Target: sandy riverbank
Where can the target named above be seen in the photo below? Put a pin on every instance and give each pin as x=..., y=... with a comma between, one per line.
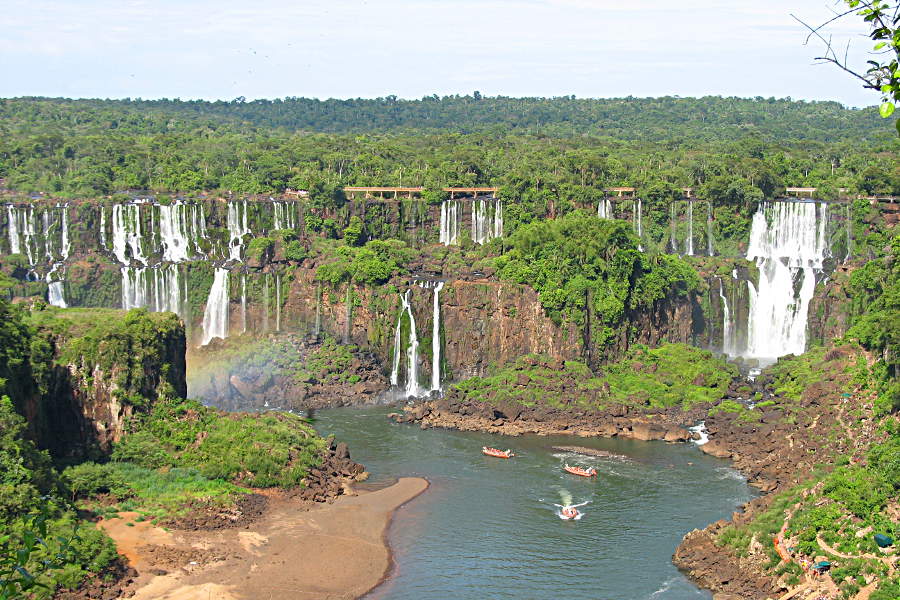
x=322, y=551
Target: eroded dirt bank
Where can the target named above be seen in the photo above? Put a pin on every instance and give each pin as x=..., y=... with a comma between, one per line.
x=294, y=550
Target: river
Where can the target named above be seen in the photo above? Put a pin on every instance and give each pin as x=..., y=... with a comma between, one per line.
x=487, y=527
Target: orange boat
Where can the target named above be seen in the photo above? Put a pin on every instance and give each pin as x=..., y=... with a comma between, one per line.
x=569, y=513
x=495, y=452
x=592, y=472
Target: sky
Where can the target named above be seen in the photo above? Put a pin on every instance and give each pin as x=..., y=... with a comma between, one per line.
x=222, y=49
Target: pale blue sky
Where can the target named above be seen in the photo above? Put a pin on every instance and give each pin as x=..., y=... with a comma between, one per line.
x=367, y=48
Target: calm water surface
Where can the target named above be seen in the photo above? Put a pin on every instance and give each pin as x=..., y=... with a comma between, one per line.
x=487, y=527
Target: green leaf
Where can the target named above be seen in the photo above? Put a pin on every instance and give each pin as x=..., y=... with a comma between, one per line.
x=886, y=109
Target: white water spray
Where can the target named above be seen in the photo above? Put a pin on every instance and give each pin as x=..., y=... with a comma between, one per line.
x=604, y=209
x=689, y=243
x=788, y=243
x=126, y=232
x=237, y=228
x=436, y=340
x=215, y=316
x=727, y=329
x=449, y=227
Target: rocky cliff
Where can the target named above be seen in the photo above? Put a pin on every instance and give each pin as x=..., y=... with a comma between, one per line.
x=91, y=374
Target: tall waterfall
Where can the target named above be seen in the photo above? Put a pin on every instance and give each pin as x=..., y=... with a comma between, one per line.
x=55, y=288
x=727, y=329
x=604, y=209
x=157, y=289
x=848, y=230
x=395, y=366
x=689, y=243
x=48, y=235
x=449, y=228
x=243, y=303
x=412, y=350
x=178, y=231
x=12, y=230
x=65, y=246
x=709, y=229
x=283, y=216
x=134, y=288
x=788, y=242
x=237, y=228
x=487, y=220
x=277, y=302
x=126, y=233
x=215, y=316
x=436, y=340
x=103, y=227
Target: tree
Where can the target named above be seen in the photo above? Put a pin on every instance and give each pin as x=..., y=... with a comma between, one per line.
x=883, y=74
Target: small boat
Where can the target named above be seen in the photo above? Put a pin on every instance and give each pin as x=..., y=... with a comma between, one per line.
x=569, y=513
x=495, y=452
x=591, y=472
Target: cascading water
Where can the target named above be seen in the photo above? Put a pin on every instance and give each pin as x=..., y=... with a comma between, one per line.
x=604, y=209
x=126, y=232
x=178, y=231
x=237, y=228
x=709, y=229
x=277, y=302
x=29, y=232
x=134, y=288
x=65, y=246
x=48, y=236
x=215, y=316
x=487, y=220
x=436, y=340
x=449, y=227
x=103, y=227
x=412, y=350
x=166, y=291
x=788, y=242
x=727, y=329
x=243, y=303
x=55, y=288
x=283, y=216
x=848, y=230
x=689, y=243
x=13, y=230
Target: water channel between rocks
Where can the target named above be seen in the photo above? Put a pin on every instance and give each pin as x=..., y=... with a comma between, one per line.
x=486, y=528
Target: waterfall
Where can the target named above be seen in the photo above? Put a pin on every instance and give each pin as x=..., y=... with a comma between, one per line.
x=709, y=229
x=689, y=243
x=65, y=247
x=126, y=231
x=103, y=227
x=788, y=243
x=215, y=315
x=178, y=230
x=237, y=228
x=412, y=350
x=55, y=289
x=48, y=239
x=166, y=296
x=727, y=332
x=278, y=301
x=134, y=288
x=395, y=368
x=243, y=303
x=449, y=227
x=29, y=232
x=604, y=209
x=487, y=223
x=283, y=216
x=436, y=340
x=12, y=216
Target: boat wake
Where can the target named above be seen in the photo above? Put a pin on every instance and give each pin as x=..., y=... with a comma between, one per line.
x=566, y=499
